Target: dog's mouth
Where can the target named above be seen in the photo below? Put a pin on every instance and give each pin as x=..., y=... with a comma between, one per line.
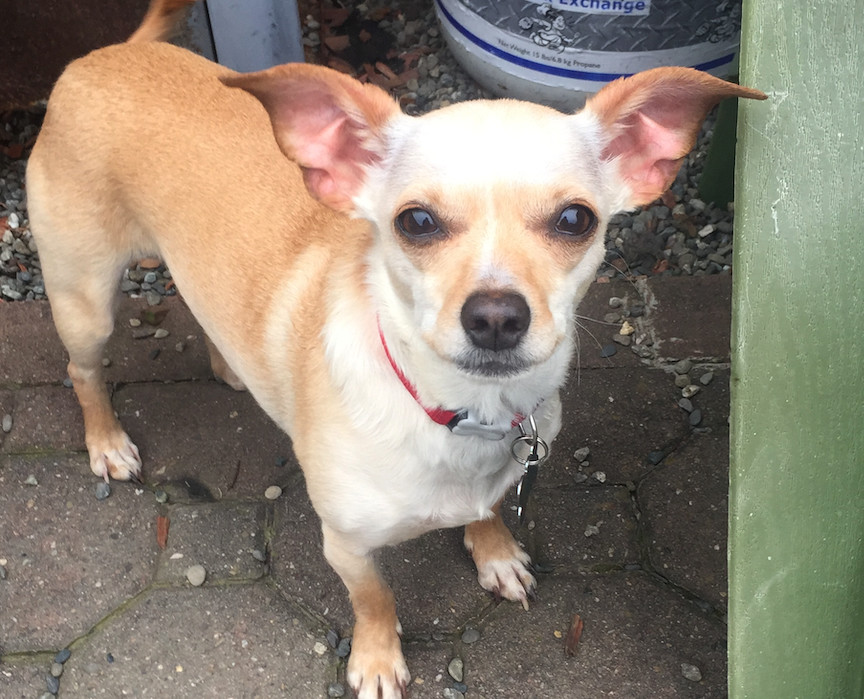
x=493, y=364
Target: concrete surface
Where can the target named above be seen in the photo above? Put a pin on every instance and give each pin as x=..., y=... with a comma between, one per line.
x=633, y=544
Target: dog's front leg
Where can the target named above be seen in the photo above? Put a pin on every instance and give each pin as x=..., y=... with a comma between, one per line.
x=502, y=565
x=376, y=668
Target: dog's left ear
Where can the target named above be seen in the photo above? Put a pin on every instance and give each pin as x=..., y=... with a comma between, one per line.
x=650, y=122
x=330, y=124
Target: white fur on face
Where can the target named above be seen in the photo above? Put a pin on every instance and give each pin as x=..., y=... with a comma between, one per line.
x=490, y=171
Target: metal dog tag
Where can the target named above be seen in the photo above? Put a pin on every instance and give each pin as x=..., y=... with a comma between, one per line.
x=532, y=463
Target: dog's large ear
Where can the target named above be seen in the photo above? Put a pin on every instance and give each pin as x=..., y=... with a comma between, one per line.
x=330, y=124
x=650, y=122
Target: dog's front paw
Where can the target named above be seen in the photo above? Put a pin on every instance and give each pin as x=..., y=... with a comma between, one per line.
x=115, y=456
x=503, y=568
x=376, y=668
x=509, y=578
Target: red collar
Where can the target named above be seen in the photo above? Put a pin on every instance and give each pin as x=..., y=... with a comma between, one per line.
x=457, y=422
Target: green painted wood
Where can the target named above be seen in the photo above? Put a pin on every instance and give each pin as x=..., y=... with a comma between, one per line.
x=797, y=428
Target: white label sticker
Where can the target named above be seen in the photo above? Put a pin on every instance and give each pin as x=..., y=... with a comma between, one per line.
x=600, y=7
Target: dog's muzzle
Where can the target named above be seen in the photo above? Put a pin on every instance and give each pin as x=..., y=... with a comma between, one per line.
x=495, y=323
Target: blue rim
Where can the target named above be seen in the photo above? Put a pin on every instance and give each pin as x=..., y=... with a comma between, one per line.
x=553, y=70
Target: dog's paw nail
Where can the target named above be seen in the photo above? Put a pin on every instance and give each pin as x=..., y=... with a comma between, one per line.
x=525, y=604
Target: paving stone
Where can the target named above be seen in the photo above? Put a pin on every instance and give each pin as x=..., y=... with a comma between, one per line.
x=593, y=333
x=692, y=316
x=622, y=415
x=427, y=663
x=229, y=447
x=46, y=418
x=562, y=518
x=434, y=580
x=685, y=508
x=233, y=641
x=220, y=537
x=71, y=559
x=637, y=633
x=131, y=359
x=7, y=407
x=297, y=561
x=22, y=679
x=30, y=352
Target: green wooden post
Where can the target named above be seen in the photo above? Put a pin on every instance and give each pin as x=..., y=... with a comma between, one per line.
x=797, y=429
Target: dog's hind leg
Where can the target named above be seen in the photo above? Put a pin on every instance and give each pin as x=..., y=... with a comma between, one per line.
x=82, y=262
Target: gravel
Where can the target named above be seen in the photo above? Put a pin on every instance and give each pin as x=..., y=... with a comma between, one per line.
x=680, y=236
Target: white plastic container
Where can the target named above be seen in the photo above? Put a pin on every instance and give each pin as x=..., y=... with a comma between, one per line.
x=558, y=52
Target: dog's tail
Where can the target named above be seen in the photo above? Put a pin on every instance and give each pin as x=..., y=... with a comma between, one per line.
x=160, y=21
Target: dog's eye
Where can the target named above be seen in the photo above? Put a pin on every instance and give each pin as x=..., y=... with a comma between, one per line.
x=575, y=221
x=417, y=223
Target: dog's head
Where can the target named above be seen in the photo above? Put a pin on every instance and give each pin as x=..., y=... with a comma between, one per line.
x=490, y=215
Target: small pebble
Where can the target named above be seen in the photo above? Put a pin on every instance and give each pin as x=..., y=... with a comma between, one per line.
x=623, y=340
x=581, y=454
x=599, y=476
x=109, y=657
x=3, y=573
x=106, y=362
x=706, y=378
x=160, y=333
x=592, y=530
x=580, y=477
x=31, y=480
x=456, y=669
x=460, y=687
x=690, y=390
x=103, y=490
x=52, y=683
x=691, y=672
x=682, y=367
x=7, y=422
x=332, y=638
x=695, y=417
x=62, y=656
x=47, y=695
x=452, y=693
x=259, y=555
x=626, y=329
x=196, y=575
x=682, y=380
x=180, y=346
x=134, y=322
x=608, y=351
x=319, y=648
x=56, y=669
x=273, y=492
x=344, y=648
x=616, y=302
x=67, y=382
x=335, y=689
x=470, y=636
x=161, y=496
x=685, y=404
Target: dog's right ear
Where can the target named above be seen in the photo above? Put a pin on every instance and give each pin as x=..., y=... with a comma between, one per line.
x=332, y=125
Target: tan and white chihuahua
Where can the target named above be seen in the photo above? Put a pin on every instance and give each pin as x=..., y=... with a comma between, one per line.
x=408, y=291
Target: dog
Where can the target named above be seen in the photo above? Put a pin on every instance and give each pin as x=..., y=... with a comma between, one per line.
x=405, y=305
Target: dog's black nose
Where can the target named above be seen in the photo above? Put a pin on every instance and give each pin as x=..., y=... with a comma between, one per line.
x=496, y=320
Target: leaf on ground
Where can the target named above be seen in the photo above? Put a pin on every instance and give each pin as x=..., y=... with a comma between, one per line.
x=162, y=525
x=571, y=643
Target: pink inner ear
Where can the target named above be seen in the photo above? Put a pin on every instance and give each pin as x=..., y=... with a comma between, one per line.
x=330, y=124
x=649, y=154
